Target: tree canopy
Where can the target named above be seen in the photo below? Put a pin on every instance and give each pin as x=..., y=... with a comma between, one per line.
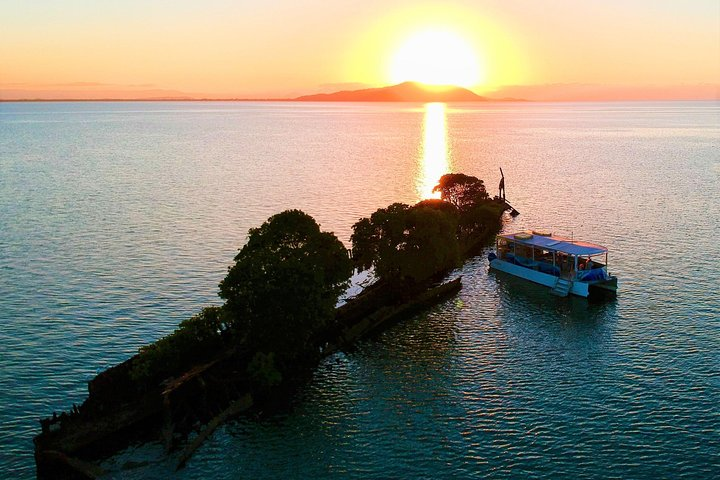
x=285, y=283
x=481, y=217
x=463, y=191
x=407, y=244
x=195, y=339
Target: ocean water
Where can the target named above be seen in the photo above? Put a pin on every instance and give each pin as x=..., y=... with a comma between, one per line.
x=118, y=220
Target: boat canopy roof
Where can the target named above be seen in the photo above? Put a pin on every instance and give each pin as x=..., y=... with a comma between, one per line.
x=559, y=244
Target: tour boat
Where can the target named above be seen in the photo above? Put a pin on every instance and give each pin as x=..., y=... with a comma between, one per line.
x=564, y=265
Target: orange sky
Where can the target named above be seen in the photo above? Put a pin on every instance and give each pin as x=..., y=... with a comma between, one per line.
x=275, y=48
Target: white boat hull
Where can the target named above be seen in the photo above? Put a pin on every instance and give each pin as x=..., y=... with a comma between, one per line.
x=578, y=288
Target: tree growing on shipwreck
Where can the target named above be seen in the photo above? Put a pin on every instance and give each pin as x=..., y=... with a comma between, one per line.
x=478, y=214
x=405, y=244
x=283, y=288
x=410, y=244
x=463, y=191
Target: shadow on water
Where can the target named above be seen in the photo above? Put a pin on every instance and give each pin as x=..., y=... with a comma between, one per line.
x=519, y=297
x=517, y=290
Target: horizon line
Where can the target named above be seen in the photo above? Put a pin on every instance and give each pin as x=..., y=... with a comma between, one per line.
x=295, y=100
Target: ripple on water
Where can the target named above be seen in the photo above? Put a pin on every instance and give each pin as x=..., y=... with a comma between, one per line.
x=125, y=217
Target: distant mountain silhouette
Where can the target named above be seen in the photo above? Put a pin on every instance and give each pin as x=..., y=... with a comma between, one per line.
x=403, y=92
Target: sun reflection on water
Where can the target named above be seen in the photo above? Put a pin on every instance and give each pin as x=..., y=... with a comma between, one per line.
x=435, y=155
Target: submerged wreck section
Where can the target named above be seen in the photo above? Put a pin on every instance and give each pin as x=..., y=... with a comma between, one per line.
x=117, y=412
x=279, y=319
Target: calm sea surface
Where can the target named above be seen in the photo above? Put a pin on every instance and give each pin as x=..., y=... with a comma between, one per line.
x=118, y=220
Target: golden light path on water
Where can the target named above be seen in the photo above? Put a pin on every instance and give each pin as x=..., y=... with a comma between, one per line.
x=435, y=156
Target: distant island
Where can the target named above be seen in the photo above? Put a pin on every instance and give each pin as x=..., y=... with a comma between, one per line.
x=403, y=92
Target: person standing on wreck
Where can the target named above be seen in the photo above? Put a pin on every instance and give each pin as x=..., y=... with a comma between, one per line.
x=501, y=187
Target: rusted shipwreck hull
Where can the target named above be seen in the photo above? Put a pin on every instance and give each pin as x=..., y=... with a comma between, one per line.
x=118, y=411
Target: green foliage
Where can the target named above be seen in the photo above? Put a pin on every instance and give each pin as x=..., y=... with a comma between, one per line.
x=285, y=283
x=463, y=191
x=408, y=244
x=196, y=339
x=480, y=218
x=263, y=371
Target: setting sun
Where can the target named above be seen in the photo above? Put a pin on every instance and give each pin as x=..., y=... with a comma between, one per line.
x=436, y=57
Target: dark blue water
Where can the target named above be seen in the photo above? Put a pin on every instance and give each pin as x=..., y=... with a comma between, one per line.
x=118, y=220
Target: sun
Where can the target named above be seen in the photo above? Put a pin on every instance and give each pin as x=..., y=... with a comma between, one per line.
x=436, y=57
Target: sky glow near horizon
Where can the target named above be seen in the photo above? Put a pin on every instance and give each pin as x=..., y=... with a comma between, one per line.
x=223, y=48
